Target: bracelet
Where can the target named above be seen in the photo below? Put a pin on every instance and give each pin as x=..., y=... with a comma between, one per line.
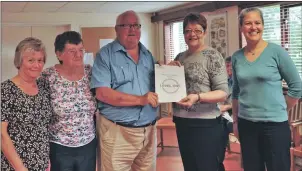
x=198, y=100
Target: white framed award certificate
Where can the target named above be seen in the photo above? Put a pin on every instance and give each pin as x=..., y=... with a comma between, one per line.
x=170, y=84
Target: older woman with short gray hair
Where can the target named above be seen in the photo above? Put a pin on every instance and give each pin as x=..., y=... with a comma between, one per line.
x=26, y=111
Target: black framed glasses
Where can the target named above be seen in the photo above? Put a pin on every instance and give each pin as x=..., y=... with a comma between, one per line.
x=128, y=26
x=195, y=31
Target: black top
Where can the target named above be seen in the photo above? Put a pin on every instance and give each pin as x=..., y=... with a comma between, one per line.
x=28, y=118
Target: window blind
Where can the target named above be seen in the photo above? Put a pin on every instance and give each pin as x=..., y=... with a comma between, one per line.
x=168, y=36
x=283, y=26
x=174, y=40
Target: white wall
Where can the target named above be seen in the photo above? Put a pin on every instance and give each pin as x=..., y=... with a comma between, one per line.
x=12, y=35
x=47, y=25
x=78, y=20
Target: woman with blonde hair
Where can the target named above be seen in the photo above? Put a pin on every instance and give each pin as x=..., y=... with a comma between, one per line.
x=26, y=111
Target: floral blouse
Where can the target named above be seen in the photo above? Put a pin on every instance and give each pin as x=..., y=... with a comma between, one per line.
x=28, y=118
x=74, y=109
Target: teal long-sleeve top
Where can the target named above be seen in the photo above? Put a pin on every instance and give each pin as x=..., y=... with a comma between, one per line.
x=258, y=85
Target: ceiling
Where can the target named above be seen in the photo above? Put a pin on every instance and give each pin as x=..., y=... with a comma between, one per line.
x=90, y=7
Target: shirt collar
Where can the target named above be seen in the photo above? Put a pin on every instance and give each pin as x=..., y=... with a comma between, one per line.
x=117, y=47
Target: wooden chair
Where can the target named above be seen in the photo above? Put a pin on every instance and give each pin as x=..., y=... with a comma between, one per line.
x=165, y=123
x=233, y=139
x=296, y=158
x=295, y=121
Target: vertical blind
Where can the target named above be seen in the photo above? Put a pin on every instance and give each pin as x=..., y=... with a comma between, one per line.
x=169, y=47
x=174, y=40
x=283, y=26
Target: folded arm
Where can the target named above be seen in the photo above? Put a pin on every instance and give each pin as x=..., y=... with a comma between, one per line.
x=219, y=86
x=213, y=96
x=116, y=98
x=224, y=108
x=101, y=82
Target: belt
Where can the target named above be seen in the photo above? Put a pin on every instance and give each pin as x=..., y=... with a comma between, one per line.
x=134, y=126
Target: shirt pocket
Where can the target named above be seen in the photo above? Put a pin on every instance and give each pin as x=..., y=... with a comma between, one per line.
x=122, y=74
x=148, y=76
x=147, y=69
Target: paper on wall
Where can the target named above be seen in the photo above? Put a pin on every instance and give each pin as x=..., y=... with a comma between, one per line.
x=104, y=42
x=88, y=58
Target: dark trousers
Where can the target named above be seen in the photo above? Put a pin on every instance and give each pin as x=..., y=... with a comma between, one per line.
x=265, y=145
x=228, y=128
x=200, y=143
x=64, y=158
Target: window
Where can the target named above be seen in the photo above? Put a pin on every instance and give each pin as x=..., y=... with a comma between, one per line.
x=174, y=40
x=283, y=26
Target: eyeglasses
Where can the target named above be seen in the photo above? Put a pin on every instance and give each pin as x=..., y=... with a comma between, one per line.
x=128, y=26
x=195, y=31
x=39, y=61
x=73, y=52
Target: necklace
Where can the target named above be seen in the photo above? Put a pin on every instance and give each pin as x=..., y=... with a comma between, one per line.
x=253, y=53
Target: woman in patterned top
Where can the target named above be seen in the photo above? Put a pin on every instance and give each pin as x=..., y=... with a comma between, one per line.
x=26, y=111
x=72, y=129
x=197, y=117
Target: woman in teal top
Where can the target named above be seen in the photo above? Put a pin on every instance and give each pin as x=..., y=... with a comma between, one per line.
x=259, y=105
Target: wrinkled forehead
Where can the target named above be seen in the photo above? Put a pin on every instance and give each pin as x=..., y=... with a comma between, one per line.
x=31, y=53
x=129, y=18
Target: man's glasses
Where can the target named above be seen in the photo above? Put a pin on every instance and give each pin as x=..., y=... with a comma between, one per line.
x=197, y=32
x=128, y=26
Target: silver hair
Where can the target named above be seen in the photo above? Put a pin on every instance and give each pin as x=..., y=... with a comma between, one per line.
x=29, y=43
x=247, y=10
x=120, y=17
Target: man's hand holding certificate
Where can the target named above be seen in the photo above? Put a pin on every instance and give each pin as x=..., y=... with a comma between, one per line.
x=170, y=84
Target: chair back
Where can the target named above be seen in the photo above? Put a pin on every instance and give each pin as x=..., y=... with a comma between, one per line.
x=165, y=110
x=295, y=114
x=295, y=122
